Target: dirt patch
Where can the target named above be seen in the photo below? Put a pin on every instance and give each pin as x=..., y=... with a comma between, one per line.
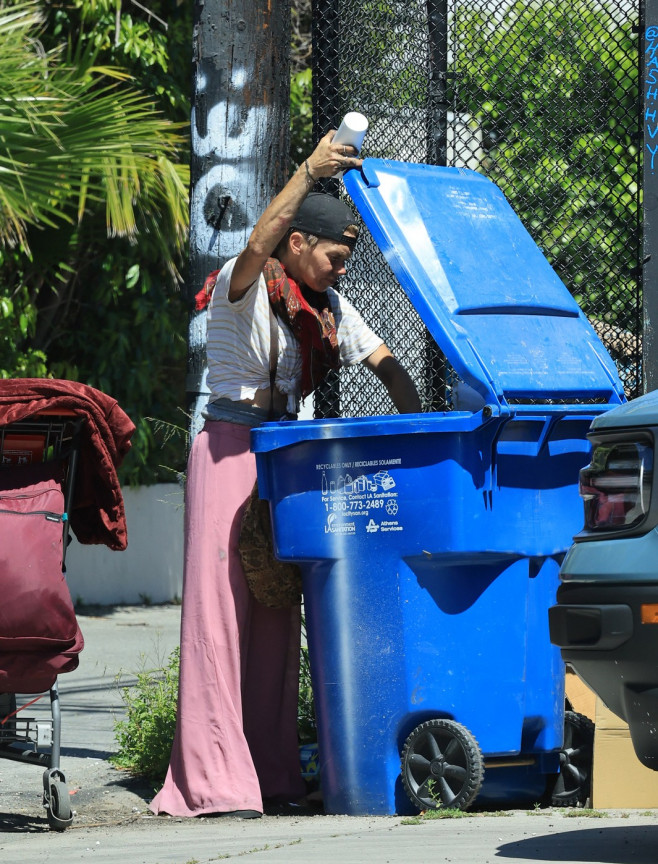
x=100, y=795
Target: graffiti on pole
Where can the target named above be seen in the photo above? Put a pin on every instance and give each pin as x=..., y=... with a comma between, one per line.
x=239, y=140
x=651, y=94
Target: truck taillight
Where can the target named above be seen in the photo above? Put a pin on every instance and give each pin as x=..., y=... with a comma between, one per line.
x=616, y=485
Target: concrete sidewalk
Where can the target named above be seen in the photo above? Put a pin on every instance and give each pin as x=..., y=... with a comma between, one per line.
x=112, y=823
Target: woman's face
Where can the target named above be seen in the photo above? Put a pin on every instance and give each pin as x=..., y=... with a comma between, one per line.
x=321, y=264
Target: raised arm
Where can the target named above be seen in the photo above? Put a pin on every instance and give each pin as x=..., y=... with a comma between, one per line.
x=396, y=379
x=325, y=161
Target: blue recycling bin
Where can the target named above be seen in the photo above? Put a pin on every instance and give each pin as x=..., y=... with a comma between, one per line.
x=430, y=544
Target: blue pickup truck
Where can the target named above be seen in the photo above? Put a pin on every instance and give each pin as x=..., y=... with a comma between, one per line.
x=606, y=618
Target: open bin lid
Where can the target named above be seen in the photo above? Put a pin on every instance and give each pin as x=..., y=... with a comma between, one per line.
x=492, y=302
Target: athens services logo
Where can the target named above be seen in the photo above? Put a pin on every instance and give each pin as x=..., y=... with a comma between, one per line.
x=335, y=527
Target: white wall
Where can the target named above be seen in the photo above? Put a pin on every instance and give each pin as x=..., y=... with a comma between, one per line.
x=150, y=569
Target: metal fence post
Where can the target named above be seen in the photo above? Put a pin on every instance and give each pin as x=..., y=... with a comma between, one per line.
x=649, y=67
x=437, y=26
x=325, y=60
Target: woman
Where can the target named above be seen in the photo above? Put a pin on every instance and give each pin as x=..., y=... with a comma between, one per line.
x=274, y=316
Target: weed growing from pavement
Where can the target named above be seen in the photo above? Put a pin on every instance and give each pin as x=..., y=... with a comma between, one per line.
x=451, y=813
x=592, y=814
x=146, y=735
x=445, y=813
x=266, y=848
x=306, y=725
x=434, y=795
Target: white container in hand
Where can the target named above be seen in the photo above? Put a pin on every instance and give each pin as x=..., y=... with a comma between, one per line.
x=352, y=130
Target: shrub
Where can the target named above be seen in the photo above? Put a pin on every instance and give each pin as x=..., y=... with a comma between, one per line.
x=146, y=735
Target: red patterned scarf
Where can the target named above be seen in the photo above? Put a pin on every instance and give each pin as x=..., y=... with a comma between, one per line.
x=309, y=316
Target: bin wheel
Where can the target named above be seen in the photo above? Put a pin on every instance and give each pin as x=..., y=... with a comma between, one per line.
x=442, y=766
x=573, y=783
x=58, y=806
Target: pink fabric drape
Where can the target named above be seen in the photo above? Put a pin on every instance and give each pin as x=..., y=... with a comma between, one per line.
x=236, y=734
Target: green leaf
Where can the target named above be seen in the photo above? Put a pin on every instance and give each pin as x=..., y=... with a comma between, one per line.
x=132, y=276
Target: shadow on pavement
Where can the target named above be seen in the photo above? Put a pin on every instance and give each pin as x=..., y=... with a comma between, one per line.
x=635, y=844
x=18, y=823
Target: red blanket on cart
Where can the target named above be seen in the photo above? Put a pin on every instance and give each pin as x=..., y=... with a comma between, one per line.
x=98, y=514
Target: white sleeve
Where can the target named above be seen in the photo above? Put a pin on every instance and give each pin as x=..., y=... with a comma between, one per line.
x=223, y=285
x=355, y=339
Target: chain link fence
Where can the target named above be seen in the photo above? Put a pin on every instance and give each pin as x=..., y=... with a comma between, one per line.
x=543, y=98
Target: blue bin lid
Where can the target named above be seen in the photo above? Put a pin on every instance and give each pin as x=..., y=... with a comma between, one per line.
x=485, y=291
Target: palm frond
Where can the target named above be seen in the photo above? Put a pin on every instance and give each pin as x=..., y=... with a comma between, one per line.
x=76, y=136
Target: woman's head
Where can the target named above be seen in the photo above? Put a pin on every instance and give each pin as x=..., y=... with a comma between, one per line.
x=320, y=240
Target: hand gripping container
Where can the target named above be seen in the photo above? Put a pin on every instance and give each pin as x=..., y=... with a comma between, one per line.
x=430, y=544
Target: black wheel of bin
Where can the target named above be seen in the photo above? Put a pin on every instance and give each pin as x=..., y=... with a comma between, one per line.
x=574, y=782
x=58, y=807
x=442, y=766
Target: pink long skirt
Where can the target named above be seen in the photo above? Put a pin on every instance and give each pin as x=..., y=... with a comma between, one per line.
x=236, y=732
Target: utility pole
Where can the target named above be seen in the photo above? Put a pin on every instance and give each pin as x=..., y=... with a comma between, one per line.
x=240, y=133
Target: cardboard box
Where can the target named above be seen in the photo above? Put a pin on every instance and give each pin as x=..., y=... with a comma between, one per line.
x=619, y=779
x=579, y=695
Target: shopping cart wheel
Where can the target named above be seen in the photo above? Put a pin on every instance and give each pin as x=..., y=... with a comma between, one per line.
x=442, y=766
x=56, y=800
x=573, y=783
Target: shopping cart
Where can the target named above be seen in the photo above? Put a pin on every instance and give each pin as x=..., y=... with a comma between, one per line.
x=39, y=634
